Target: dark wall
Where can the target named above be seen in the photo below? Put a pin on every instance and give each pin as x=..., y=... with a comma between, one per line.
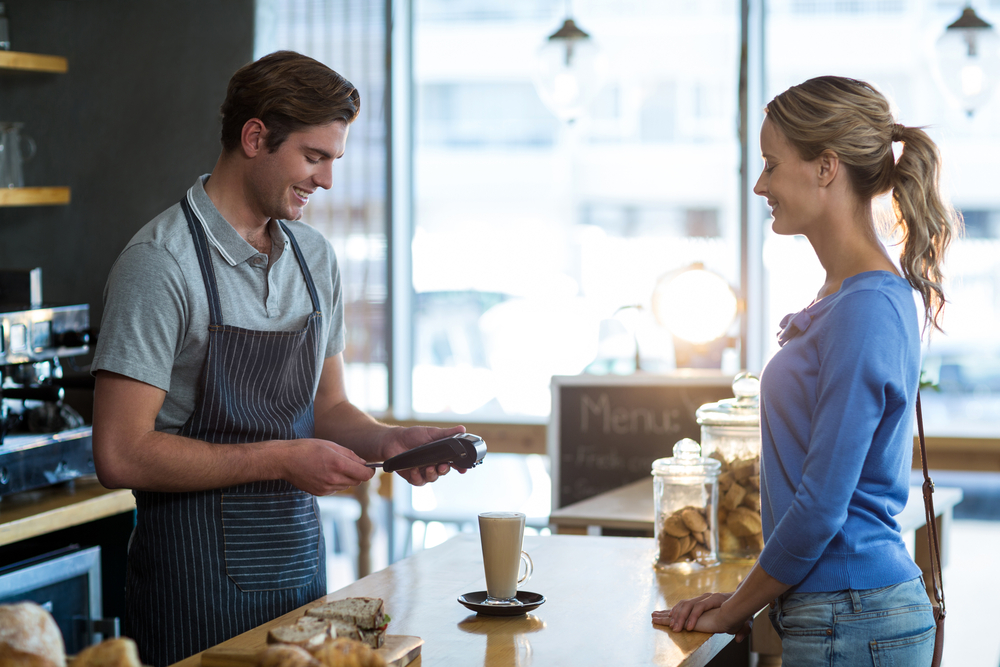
x=128, y=128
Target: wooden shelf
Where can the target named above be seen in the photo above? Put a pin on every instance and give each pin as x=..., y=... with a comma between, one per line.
x=33, y=513
x=33, y=196
x=32, y=62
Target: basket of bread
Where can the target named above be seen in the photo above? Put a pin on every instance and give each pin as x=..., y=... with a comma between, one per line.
x=29, y=637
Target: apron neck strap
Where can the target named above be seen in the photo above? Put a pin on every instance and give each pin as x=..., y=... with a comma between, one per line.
x=305, y=269
x=205, y=261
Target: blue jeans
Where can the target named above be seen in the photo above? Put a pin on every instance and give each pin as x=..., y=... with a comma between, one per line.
x=879, y=626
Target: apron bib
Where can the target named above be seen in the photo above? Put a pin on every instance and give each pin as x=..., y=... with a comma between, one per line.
x=209, y=565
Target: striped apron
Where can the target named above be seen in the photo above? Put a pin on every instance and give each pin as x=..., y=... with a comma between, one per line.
x=209, y=565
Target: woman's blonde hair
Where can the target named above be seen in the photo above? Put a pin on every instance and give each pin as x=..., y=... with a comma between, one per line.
x=854, y=120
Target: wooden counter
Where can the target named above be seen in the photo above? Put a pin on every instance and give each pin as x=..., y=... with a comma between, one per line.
x=631, y=508
x=600, y=592
x=34, y=513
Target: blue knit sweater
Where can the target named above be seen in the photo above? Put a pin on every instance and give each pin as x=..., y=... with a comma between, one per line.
x=837, y=405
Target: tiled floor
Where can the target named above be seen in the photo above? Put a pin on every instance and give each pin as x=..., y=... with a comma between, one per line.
x=972, y=590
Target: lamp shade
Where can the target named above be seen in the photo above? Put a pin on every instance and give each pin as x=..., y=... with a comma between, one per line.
x=569, y=71
x=968, y=60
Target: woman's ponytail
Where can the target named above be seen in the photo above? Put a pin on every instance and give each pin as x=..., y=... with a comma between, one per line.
x=927, y=223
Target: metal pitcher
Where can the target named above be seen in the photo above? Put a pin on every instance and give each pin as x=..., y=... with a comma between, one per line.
x=11, y=156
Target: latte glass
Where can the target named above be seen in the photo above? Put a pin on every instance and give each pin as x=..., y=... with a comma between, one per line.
x=501, y=534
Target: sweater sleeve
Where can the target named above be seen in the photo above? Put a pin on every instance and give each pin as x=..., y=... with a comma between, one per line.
x=860, y=351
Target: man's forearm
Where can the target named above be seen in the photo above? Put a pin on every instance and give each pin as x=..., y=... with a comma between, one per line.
x=347, y=425
x=159, y=461
x=130, y=453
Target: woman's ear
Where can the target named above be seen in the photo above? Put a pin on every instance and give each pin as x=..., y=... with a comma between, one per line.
x=827, y=168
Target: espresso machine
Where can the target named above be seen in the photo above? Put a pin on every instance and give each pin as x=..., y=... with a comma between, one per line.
x=43, y=441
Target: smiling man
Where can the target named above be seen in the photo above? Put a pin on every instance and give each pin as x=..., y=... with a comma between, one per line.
x=220, y=395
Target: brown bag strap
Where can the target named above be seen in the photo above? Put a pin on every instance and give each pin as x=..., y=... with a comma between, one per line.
x=932, y=534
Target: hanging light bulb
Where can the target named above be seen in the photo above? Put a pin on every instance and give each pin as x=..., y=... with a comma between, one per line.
x=968, y=59
x=570, y=71
x=695, y=304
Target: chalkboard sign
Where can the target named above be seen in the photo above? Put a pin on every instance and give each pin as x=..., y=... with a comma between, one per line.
x=606, y=431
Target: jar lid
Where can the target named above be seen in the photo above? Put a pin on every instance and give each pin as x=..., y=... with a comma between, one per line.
x=686, y=461
x=744, y=410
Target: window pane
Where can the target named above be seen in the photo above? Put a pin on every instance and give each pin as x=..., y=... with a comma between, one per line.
x=349, y=37
x=530, y=233
x=889, y=44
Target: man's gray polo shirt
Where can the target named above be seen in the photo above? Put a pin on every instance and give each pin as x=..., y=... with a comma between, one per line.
x=156, y=317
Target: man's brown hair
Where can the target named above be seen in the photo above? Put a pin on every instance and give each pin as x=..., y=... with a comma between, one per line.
x=287, y=91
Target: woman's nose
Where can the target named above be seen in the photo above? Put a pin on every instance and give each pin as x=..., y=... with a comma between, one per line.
x=758, y=188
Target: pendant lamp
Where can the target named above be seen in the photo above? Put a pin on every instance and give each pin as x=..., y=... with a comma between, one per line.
x=968, y=59
x=569, y=71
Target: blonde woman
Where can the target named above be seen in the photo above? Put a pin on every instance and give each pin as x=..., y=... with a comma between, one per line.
x=837, y=400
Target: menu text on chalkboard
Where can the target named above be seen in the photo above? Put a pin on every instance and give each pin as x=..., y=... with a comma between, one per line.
x=606, y=431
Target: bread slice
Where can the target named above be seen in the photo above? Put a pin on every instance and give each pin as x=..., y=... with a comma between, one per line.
x=342, y=629
x=27, y=627
x=374, y=638
x=118, y=652
x=348, y=653
x=366, y=613
x=308, y=632
x=285, y=655
x=11, y=657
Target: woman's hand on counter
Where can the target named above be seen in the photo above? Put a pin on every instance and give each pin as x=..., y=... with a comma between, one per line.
x=703, y=614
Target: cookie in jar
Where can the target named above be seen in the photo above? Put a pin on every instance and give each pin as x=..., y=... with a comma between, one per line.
x=730, y=433
x=685, y=497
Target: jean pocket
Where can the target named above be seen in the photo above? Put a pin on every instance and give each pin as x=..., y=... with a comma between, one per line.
x=808, y=620
x=271, y=540
x=912, y=651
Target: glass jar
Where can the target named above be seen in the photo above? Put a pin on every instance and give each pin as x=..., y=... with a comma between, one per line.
x=685, y=495
x=730, y=433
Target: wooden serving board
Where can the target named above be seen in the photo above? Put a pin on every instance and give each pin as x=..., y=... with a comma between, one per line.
x=398, y=651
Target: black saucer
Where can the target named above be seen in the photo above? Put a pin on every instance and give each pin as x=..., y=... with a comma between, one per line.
x=476, y=602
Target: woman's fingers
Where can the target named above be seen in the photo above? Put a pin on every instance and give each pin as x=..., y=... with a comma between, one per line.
x=685, y=614
x=744, y=631
x=661, y=617
x=701, y=614
x=678, y=614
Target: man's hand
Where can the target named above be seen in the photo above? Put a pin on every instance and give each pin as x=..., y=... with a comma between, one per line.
x=321, y=467
x=400, y=439
x=338, y=420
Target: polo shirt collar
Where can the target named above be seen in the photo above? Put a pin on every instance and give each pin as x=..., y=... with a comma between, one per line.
x=233, y=247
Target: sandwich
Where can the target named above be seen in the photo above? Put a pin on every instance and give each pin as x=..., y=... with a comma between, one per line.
x=363, y=619
x=308, y=633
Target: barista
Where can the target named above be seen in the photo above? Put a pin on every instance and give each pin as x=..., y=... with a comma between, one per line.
x=220, y=393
